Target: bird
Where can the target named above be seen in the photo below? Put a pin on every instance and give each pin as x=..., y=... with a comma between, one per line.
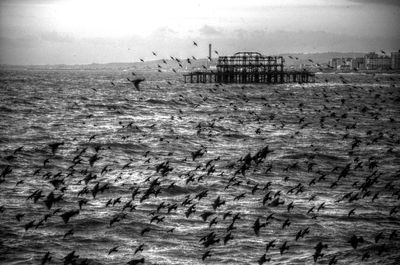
x=114, y=249
x=139, y=249
x=378, y=237
x=283, y=247
x=365, y=256
x=333, y=260
x=70, y=258
x=270, y=244
x=46, y=258
x=54, y=146
x=354, y=240
x=93, y=159
x=19, y=216
x=29, y=225
x=227, y=238
x=213, y=222
x=19, y=149
x=286, y=223
x=257, y=225
x=318, y=249
x=145, y=230
x=67, y=215
x=217, y=203
x=69, y=233
x=351, y=212
x=275, y=202
x=136, y=82
x=263, y=259
x=194, y=43
x=206, y=255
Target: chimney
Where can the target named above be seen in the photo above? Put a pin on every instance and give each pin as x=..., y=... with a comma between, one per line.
x=209, y=51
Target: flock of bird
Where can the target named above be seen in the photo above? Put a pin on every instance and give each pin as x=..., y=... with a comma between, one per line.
x=201, y=186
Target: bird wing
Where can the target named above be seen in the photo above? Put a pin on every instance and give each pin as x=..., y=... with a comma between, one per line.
x=136, y=82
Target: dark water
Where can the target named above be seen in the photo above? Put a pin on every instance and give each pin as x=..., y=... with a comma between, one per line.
x=345, y=128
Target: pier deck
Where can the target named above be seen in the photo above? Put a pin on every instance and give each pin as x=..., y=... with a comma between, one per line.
x=249, y=67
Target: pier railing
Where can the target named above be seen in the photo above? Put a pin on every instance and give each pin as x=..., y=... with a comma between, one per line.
x=244, y=77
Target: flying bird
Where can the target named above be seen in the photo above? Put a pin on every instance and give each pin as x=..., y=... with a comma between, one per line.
x=136, y=82
x=114, y=249
x=46, y=258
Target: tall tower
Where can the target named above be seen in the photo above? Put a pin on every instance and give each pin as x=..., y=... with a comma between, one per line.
x=209, y=56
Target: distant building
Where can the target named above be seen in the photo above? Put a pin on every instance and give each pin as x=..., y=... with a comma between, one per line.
x=375, y=62
x=396, y=60
x=345, y=67
x=338, y=63
x=358, y=63
x=370, y=61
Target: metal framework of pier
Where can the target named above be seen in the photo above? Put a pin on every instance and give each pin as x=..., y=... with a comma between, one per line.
x=249, y=67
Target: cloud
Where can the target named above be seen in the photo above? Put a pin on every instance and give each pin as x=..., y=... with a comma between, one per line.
x=53, y=36
x=209, y=31
x=378, y=2
x=277, y=42
x=37, y=49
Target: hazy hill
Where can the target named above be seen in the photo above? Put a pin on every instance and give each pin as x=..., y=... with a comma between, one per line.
x=321, y=58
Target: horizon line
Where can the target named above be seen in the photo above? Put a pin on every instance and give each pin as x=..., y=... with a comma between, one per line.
x=169, y=59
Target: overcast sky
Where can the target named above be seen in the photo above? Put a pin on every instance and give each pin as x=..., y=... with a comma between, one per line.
x=101, y=31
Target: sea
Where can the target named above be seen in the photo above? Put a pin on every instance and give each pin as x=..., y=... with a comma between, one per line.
x=96, y=171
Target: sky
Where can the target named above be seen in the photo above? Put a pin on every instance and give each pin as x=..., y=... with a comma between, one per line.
x=104, y=31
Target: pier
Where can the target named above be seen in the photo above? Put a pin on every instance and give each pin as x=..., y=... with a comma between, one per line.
x=249, y=67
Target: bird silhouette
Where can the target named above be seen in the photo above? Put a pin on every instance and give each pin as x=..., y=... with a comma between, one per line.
x=46, y=258
x=283, y=247
x=257, y=225
x=139, y=248
x=67, y=215
x=217, y=203
x=270, y=244
x=69, y=233
x=206, y=255
x=114, y=249
x=136, y=82
x=227, y=238
x=19, y=216
x=55, y=146
x=29, y=225
x=71, y=258
x=354, y=240
x=263, y=259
